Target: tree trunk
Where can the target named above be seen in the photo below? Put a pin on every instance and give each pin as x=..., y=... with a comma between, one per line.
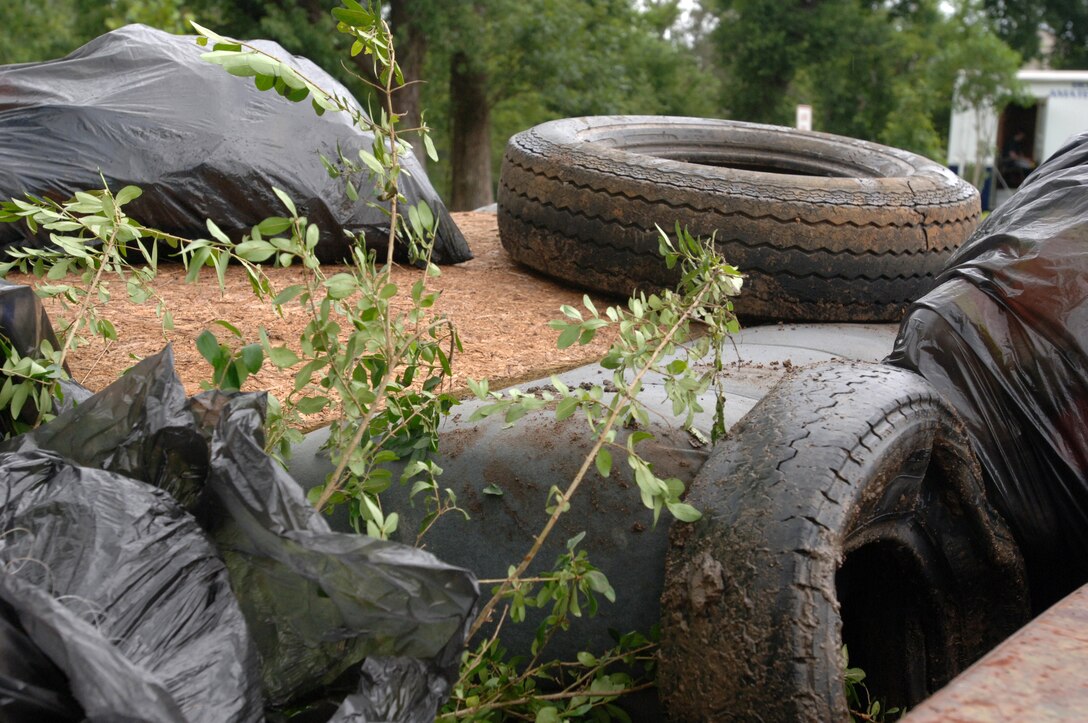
x=470, y=115
x=411, y=46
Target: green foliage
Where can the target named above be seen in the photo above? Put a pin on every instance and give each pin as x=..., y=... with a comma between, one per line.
x=651, y=330
x=984, y=66
x=1018, y=22
x=230, y=368
x=35, y=30
x=491, y=683
x=882, y=72
x=30, y=385
x=863, y=707
x=383, y=369
x=93, y=240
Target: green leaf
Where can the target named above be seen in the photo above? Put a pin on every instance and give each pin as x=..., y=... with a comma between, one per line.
x=566, y=407
x=428, y=144
x=216, y=233
x=311, y=405
x=291, y=78
x=494, y=490
x=252, y=356
x=568, y=336
x=255, y=251
x=677, y=366
x=19, y=397
x=286, y=201
x=229, y=327
x=296, y=95
x=274, y=225
x=684, y=512
x=6, y=391
x=288, y=293
x=371, y=162
x=126, y=194
x=604, y=462
x=599, y=583
x=208, y=346
x=282, y=357
x=548, y=714
x=106, y=329
x=341, y=286
x=478, y=388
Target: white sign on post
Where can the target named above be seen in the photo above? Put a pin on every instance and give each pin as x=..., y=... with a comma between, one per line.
x=804, y=117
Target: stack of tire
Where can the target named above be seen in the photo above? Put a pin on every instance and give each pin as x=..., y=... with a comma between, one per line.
x=913, y=511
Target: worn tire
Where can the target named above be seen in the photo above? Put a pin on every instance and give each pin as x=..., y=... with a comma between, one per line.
x=847, y=506
x=826, y=228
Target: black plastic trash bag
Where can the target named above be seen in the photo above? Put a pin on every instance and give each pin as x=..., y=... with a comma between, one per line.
x=140, y=105
x=1004, y=337
x=140, y=427
x=122, y=591
x=315, y=602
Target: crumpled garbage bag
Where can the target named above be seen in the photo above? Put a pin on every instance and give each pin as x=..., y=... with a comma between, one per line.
x=1004, y=337
x=333, y=598
x=139, y=105
x=315, y=602
x=122, y=591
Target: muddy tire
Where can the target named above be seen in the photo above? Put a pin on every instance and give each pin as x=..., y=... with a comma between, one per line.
x=846, y=507
x=826, y=228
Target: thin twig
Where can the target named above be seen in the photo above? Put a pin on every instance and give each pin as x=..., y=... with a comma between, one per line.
x=589, y=460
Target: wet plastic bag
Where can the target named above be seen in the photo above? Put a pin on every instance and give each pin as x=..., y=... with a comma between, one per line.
x=1004, y=337
x=119, y=589
x=315, y=602
x=140, y=105
x=318, y=601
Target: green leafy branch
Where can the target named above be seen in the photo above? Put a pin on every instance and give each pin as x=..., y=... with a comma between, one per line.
x=543, y=689
x=386, y=369
x=651, y=329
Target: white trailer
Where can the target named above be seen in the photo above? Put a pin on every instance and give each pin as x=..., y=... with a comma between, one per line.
x=1059, y=110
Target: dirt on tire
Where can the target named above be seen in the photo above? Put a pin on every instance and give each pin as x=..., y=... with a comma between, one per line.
x=825, y=228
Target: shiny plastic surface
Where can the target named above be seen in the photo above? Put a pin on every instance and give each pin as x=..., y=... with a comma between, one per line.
x=114, y=582
x=140, y=106
x=1004, y=337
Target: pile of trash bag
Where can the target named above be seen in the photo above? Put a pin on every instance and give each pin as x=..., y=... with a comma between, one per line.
x=141, y=107
x=1004, y=338
x=157, y=565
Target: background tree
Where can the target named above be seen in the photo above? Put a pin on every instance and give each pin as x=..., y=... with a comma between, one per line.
x=1018, y=23
x=495, y=67
x=882, y=70
x=877, y=70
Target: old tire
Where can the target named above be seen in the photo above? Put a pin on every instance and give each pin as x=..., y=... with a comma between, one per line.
x=847, y=507
x=826, y=228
